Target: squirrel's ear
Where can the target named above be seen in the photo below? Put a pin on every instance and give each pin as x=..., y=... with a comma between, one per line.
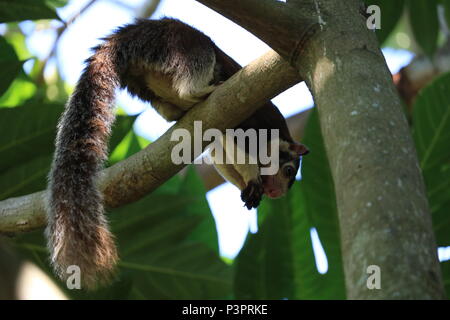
x=299, y=149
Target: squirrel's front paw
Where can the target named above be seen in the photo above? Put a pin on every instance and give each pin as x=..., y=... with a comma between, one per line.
x=252, y=194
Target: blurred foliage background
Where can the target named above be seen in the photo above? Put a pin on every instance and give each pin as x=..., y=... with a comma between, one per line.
x=168, y=240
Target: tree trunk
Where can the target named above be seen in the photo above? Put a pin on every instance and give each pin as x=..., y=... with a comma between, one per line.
x=382, y=205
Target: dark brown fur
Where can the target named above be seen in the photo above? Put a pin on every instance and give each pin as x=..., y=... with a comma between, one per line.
x=77, y=230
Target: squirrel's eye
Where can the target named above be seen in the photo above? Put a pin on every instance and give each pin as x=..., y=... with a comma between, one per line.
x=289, y=171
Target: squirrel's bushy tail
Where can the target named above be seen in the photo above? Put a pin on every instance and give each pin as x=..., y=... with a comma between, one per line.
x=77, y=230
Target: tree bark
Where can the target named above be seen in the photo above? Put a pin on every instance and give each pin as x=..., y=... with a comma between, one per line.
x=382, y=205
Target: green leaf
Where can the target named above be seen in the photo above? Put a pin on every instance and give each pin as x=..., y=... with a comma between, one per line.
x=10, y=66
x=123, y=126
x=445, y=267
x=9, y=70
x=278, y=262
x=159, y=254
x=25, y=178
x=192, y=185
x=27, y=145
x=7, y=51
x=19, y=10
x=19, y=42
x=316, y=208
x=431, y=133
x=432, y=124
x=264, y=267
x=391, y=12
x=17, y=86
x=27, y=132
x=20, y=91
x=158, y=258
x=128, y=146
x=425, y=24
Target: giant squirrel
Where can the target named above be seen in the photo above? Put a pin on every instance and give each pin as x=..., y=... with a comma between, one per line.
x=173, y=66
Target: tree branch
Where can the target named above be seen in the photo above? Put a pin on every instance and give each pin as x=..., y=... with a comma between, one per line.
x=133, y=178
x=271, y=21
